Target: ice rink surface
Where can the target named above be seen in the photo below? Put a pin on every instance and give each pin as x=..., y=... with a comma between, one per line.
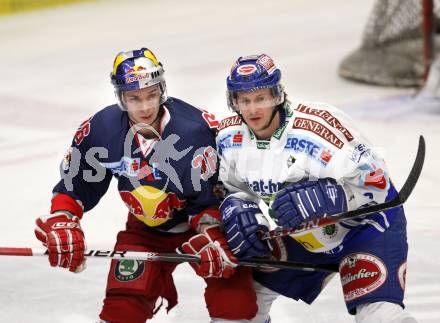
x=55, y=67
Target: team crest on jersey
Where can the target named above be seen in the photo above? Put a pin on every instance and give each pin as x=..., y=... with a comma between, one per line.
x=129, y=270
x=330, y=231
x=361, y=274
x=309, y=147
x=67, y=159
x=290, y=161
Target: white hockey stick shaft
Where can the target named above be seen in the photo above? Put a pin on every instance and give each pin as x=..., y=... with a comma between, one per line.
x=173, y=257
x=106, y=254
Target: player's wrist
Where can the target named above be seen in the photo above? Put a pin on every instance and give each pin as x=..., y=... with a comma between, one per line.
x=204, y=219
x=66, y=203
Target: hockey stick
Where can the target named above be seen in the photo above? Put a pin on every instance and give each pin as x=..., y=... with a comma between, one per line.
x=400, y=198
x=173, y=257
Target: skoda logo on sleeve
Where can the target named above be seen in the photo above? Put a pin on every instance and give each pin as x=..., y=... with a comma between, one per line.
x=129, y=270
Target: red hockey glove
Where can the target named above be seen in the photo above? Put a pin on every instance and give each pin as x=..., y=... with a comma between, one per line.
x=216, y=260
x=62, y=235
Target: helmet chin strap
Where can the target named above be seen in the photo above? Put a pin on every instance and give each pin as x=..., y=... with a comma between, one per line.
x=274, y=113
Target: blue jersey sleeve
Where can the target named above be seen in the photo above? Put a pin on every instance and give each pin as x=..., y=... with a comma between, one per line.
x=82, y=177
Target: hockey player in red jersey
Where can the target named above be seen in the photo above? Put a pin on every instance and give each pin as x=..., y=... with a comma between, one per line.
x=161, y=151
x=307, y=160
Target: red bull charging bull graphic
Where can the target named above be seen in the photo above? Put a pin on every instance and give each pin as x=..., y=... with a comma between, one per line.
x=151, y=205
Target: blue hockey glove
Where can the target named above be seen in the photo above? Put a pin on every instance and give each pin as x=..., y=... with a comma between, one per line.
x=308, y=200
x=242, y=221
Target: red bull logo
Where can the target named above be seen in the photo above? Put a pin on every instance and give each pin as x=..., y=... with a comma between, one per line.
x=137, y=77
x=135, y=69
x=165, y=208
x=133, y=205
x=151, y=205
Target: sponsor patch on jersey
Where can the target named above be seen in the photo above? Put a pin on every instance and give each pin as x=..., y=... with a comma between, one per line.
x=264, y=188
x=229, y=122
x=327, y=117
x=358, y=152
x=129, y=270
x=308, y=241
x=318, y=129
x=288, y=108
x=133, y=167
x=246, y=69
x=230, y=140
x=361, y=274
x=309, y=147
x=263, y=144
x=267, y=63
x=401, y=274
x=279, y=132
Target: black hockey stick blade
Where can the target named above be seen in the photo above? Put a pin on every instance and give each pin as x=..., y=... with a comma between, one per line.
x=398, y=200
x=267, y=263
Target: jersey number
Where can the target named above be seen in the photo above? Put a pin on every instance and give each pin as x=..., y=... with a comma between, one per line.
x=207, y=162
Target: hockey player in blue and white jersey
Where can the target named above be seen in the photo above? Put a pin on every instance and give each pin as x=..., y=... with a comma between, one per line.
x=161, y=151
x=308, y=160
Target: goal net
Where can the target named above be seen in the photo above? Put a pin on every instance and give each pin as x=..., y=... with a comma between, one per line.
x=398, y=44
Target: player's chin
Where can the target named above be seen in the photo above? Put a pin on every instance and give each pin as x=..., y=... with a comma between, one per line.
x=256, y=123
x=144, y=119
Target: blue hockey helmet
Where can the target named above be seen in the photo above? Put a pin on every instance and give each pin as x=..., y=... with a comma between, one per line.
x=251, y=73
x=137, y=69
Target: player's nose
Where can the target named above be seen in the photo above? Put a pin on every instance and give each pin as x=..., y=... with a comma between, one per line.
x=146, y=105
x=253, y=109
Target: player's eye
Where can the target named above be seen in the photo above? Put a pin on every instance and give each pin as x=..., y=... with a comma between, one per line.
x=153, y=96
x=244, y=101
